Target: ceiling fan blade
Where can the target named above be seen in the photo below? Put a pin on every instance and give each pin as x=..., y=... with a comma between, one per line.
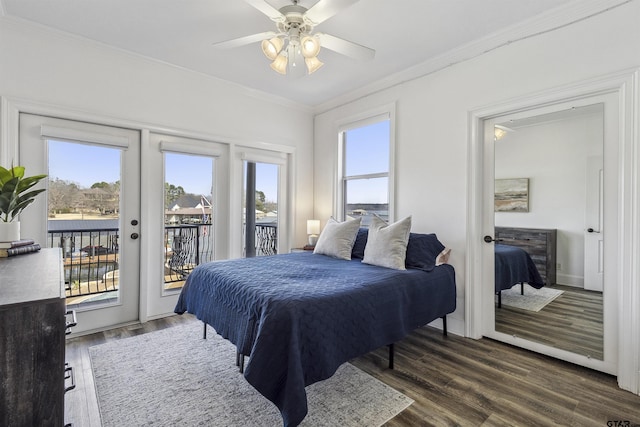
x=325, y=9
x=264, y=7
x=346, y=47
x=241, y=41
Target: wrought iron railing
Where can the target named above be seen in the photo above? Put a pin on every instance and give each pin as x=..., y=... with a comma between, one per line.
x=186, y=246
x=90, y=259
x=91, y=256
x=266, y=239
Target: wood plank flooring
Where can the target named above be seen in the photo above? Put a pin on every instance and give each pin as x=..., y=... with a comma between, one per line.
x=571, y=322
x=454, y=381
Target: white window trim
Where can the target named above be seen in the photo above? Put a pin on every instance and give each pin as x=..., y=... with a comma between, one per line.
x=365, y=118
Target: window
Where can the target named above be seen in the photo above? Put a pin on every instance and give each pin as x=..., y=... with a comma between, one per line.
x=366, y=178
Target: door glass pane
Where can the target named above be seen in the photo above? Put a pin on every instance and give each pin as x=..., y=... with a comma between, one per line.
x=188, y=215
x=83, y=201
x=367, y=197
x=260, y=209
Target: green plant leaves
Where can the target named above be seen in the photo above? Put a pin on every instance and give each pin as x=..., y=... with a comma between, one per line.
x=14, y=196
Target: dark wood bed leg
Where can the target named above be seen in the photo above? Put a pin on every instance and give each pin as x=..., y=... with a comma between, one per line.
x=521, y=288
x=444, y=325
x=204, y=332
x=391, y=354
x=499, y=299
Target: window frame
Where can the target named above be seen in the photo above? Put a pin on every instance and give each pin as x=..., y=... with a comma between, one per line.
x=384, y=113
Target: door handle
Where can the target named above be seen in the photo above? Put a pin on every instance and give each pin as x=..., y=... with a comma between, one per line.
x=489, y=239
x=591, y=230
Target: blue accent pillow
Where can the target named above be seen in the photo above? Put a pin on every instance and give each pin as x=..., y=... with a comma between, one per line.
x=422, y=251
x=360, y=243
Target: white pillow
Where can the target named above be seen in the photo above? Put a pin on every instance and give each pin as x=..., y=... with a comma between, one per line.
x=387, y=244
x=337, y=238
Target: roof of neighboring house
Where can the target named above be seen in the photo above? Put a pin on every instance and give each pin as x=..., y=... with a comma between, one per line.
x=188, y=201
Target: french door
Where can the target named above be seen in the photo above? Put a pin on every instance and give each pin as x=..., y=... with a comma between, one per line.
x=91, y=210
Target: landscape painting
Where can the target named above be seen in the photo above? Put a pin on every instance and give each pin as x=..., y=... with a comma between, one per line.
x=512, y=195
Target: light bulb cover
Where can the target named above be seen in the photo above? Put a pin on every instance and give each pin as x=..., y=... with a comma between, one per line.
x=313, y=64
x=310, y=46
x=271, y=48
x=280, y=64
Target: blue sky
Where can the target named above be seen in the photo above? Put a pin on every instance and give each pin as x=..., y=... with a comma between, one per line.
x=87, y=164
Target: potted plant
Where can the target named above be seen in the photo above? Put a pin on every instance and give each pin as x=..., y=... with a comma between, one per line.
x=15, y=195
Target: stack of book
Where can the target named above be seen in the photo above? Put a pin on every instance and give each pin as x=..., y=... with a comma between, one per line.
x=18, y=247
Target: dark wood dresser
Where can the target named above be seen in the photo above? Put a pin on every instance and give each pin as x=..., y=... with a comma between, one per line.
x=540, y=244
x=32, y=339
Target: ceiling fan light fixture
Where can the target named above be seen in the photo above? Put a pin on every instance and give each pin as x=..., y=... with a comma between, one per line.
x=280, y=64
x=271, y=48
x=313, y=64
x=310, y=46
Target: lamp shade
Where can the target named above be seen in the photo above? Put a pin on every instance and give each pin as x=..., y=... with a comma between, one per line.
x=313, y=226
x=271, y=48
x=280, y=64
x=310, y=46
x=313, y=64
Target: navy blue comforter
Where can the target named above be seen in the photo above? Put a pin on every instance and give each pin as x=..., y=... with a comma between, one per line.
x=513, y=266
x=300, y=316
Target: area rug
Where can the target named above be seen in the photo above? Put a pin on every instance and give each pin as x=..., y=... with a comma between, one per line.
x=532, y=300
x=174, y=377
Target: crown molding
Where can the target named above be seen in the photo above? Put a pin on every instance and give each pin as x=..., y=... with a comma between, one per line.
x=548, y=21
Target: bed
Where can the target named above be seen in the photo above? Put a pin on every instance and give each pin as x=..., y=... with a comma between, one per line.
x=513, y=266
x=299, y=316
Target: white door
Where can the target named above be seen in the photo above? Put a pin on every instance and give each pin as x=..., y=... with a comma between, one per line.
x=91, y=210
x=594, y=226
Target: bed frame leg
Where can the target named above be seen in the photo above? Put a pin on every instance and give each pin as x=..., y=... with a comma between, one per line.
x=521, y=288
x=391, y=354
x=499, y=299
x=204, y=332
x=240, y=361
x=444, y=325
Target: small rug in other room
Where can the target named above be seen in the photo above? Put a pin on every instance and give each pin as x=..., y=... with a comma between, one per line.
x=532, y=300
x=174, y=377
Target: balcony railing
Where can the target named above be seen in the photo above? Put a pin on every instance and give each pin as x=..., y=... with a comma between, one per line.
x=90, y=259
x=186, y=246
x=91, y=256
x=266, y=239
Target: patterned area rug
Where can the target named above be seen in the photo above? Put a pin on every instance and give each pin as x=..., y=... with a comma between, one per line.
x=532, y=300
x=174, y=377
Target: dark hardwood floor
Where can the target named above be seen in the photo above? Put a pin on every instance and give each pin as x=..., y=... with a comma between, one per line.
x=454, y=381
x=571, y=322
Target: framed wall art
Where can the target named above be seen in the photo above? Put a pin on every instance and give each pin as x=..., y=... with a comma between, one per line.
x=512, y=195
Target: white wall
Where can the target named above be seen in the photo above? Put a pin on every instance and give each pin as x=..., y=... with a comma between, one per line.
x=432, y=119
x=44, y=66
x=553, y=155
x=71, y=75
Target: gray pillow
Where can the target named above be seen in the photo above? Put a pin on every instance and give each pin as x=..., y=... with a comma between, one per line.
x=337, y=238
x=387, y=244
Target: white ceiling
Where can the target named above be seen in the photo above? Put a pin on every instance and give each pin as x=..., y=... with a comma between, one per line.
x=406, y=34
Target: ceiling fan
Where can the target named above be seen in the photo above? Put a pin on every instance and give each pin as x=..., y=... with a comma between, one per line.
x=294, y=42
